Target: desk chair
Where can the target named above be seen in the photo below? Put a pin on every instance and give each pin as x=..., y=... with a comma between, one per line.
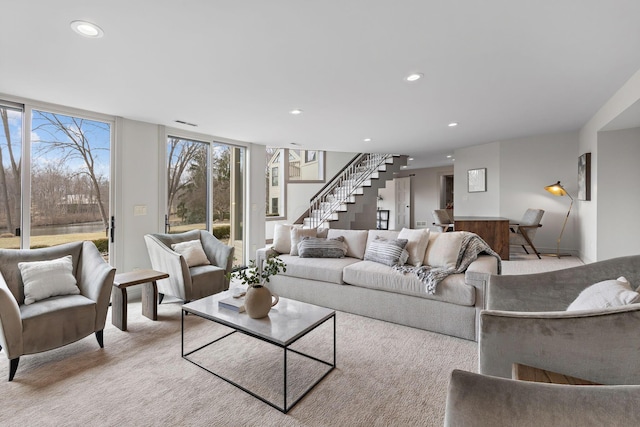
x=522, y=233
x=442, y=220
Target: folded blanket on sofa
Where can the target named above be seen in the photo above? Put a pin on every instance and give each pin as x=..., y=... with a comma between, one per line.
x=472, y=245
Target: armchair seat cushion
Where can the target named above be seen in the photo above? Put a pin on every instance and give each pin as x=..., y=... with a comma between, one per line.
x=56, y=321
x=204, y=279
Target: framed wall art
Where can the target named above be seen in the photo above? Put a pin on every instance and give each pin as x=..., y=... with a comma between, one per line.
x=584, y=177
x=477, y=180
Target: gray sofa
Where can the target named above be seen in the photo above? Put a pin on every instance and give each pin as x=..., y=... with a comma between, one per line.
x=526, y=322
x=28, y=328
x=371, y=289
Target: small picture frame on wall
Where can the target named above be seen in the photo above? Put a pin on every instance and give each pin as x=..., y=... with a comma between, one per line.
x=477, y=180
x=584, y=177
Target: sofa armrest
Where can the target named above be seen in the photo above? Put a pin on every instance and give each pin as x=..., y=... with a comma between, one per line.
x=600, y=346
x=10, y=322
x=477, y=275
x=262, y=254
x=95, y=280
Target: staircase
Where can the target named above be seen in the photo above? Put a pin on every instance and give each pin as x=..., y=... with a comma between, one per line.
x=349, y=200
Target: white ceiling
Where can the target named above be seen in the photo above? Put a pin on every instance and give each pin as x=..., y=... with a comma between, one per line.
x=501, y=68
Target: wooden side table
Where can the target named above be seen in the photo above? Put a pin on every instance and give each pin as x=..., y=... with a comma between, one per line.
x=530, y=373
x=149, y=295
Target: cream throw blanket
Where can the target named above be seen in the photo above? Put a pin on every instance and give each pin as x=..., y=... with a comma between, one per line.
x=472, y=246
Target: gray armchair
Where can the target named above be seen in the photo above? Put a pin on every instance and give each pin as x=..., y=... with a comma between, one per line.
x=481, y=400
x=58, y=320
x=526, y=322
x=184, y=282
x=523, y=233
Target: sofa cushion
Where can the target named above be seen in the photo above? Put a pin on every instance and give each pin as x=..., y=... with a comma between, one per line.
x=417, y=241
x=369, y=274
x=608, y=293
x=282, y=237
x=356, y=241
x=315, y=247
x=386, y=251
x=44, y=279
x=322, y=269
x=443, y=249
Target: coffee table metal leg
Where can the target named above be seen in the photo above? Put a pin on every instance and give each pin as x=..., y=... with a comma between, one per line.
x=119, y=309
x=150, y=300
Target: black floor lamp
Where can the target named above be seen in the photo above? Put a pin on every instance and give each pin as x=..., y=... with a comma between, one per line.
x=558, y=190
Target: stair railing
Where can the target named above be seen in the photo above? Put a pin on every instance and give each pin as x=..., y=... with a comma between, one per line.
x=338, y=191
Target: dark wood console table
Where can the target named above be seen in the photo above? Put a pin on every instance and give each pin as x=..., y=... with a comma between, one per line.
x=493, y=230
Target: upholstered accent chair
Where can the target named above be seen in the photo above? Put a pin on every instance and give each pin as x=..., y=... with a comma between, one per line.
x=442, y=220
x=523, y=233
x=526, y=322
x=188, y=281
x=486, y=401
x=30, y=320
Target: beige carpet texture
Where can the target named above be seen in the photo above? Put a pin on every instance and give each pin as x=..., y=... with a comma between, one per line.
x=386, y=375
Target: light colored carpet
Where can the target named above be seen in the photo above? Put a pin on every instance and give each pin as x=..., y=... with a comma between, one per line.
x=521, y=263
x=386, y=375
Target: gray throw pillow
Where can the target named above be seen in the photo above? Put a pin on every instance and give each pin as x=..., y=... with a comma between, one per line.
x=315, y=247
x=387, y=251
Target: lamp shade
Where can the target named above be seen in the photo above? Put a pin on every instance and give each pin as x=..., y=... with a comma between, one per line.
x=556, y=189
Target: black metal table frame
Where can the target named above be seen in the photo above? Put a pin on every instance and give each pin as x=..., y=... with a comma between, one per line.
x=285, y=347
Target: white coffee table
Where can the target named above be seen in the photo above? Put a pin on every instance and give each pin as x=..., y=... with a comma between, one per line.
x=286, y=323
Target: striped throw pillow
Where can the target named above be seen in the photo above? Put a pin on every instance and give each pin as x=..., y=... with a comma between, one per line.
x=387, y=251
x=316, y=247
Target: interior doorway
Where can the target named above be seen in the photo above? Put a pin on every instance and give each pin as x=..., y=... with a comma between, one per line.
x=446, y=193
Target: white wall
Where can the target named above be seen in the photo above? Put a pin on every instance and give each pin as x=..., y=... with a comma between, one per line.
x=517, y=172
x=589, y=224
x=425, y=193
x=137, y=178
x=619, y=201
x=485, y=203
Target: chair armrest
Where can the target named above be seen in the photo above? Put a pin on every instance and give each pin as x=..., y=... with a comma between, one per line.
x=555, y=290
x=600, y=346
x=168, y=261
x=218, y=253
x=95, y=280
x=480, y=400
x=10, y=322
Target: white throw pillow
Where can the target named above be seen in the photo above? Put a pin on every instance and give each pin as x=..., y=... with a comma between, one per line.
x=282, y=237
x=417, y=244
x=443, y=249
x=192, y=252
x=609, y=293
x=44, y=279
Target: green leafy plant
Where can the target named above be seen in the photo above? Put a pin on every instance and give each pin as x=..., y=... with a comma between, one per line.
x=252, y=277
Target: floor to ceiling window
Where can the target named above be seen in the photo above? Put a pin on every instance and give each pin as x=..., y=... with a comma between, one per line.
x=205, y=190
x=66, y=187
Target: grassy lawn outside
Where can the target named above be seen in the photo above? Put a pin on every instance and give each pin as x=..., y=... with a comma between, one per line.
x=45, y=241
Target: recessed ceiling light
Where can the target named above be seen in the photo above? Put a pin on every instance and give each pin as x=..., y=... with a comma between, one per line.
x=296, y=111
x=453, y=124
x=182, y=122
x=410, y=159
x=87, y=29
x=449, y=156
x=413, y=77
x=367, y=140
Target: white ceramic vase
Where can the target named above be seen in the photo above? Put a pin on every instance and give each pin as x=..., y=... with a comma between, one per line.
x=258, y=301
